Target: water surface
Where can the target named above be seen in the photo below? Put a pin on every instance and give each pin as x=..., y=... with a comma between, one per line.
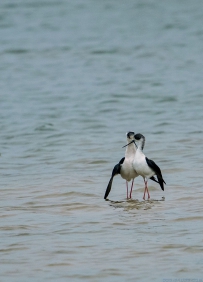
x=75, y=76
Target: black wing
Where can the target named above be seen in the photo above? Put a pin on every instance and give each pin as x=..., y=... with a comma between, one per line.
x=157, y=171
x=116, y=170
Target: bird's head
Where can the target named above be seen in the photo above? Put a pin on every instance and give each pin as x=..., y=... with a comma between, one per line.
x=130, y=136
x=139, y=140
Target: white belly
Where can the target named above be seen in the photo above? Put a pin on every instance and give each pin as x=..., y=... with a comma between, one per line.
x=127, y=171
x=141, y=166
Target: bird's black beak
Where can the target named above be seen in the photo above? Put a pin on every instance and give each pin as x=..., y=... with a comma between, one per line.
x=129, y=143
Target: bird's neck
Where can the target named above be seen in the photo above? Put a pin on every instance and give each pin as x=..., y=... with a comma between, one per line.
x=130, y=150
x=141, y=144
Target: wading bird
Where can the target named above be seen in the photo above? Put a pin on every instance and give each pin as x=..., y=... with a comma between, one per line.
x=125, y=166
x=143, y=166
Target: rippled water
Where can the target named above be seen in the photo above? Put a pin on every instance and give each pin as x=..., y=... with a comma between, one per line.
x=75, y=76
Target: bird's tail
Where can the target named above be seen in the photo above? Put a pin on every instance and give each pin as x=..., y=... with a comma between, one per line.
x=154, y=179
x=161, y=181
x=108, y=189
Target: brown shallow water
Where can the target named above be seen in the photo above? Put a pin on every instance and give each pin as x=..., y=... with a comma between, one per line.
x=75, y=77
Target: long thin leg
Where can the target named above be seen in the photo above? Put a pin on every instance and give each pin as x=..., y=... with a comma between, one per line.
x=127, y=188
x=145, y=189
x=148, y=193
x=131, y=188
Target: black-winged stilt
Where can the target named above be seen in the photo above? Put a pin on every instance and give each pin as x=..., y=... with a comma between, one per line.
x=125, y=166
x=144, y=166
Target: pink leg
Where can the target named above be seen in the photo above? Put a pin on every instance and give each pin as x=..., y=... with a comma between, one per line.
x=148, y=194
x=145, y=189
x=127, y=188
x=131, y=189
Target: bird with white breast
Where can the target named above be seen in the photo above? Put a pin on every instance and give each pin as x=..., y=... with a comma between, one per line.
x=125, y=166
x=145, y=167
